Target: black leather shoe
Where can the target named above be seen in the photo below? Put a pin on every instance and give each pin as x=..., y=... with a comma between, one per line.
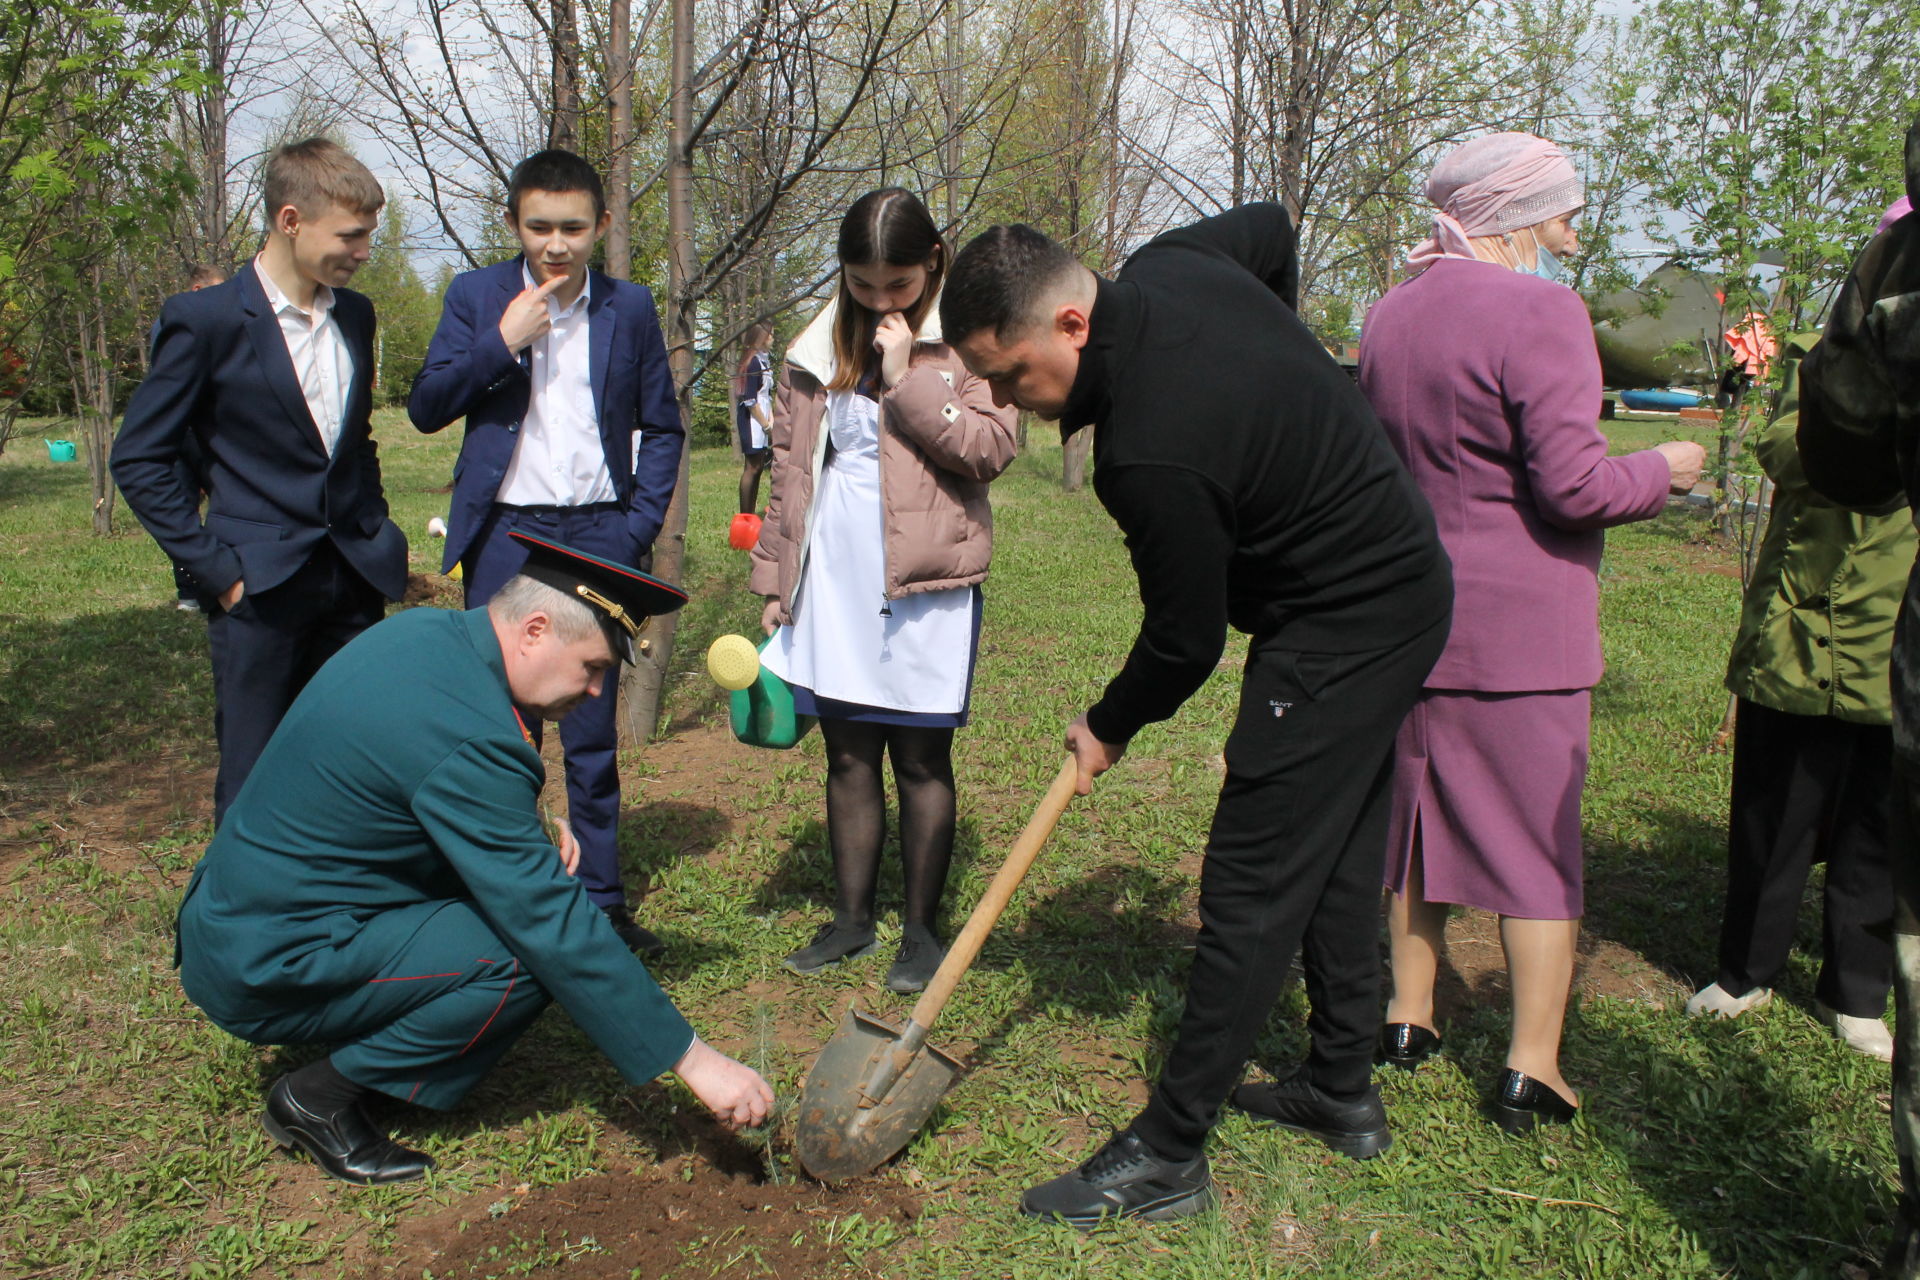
x=1124, y=1179
x=1520, y=1102
x=1406, y=1045
x=642, y=941
x=345, y=1145
x=1357, y=1129
x=831, y=944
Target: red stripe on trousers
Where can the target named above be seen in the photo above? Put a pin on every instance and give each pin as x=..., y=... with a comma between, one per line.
x=496, y=1009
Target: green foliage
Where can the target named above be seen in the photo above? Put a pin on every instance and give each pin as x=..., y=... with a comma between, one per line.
x=1764, y=131
x=407, y=308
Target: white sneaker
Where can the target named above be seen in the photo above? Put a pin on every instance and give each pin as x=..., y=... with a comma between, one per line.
x=1862, y=1035
x=1714, y=1000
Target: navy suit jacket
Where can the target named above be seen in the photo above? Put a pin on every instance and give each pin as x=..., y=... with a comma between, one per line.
x=222, y=392
x=470, y=372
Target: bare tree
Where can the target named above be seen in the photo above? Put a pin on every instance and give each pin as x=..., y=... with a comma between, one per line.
x=1334, y=107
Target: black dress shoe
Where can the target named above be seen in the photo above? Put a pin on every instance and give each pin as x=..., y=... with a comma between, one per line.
x=1406, y=1045
x=1124, y=1179
x=1520, y=1102
x=1357, y=1129
x=641, y=941
x=345, y=1144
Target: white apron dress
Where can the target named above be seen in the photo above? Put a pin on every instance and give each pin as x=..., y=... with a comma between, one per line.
x=848, y=643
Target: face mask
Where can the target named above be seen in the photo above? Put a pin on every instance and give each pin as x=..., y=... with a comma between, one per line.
x=1546, y=266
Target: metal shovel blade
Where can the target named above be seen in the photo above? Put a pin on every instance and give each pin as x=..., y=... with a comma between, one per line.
x=843, y=1130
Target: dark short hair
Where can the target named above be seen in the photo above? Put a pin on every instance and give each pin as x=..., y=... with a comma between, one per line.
x=203, y=274
x=999, y=280
x=314, y=174
x=554, y=170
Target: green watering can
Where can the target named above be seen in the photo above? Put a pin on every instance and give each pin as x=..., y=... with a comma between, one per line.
x=60, y=450
x=759, y=702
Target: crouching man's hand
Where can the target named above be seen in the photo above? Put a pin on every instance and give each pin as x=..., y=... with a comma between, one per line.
x=733, y=1091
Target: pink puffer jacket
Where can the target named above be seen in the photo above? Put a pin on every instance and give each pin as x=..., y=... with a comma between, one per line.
x=941, y=440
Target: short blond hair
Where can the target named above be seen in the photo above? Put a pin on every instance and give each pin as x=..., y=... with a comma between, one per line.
x=315, y=174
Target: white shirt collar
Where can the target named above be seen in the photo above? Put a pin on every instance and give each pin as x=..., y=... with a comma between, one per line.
x=279, y=301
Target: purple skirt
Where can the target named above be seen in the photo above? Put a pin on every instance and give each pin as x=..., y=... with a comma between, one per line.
x=1486, y=794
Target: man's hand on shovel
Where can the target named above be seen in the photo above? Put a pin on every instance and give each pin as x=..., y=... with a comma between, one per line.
x=1093, y=756
x=733, y=1091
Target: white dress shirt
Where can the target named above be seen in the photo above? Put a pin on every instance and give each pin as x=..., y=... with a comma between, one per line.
x=559, y=460
x=321, y=358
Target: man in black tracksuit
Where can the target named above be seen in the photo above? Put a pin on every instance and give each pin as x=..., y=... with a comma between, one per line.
x=1256, y=490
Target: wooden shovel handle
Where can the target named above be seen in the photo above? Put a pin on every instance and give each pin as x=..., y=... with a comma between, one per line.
x=960, y=955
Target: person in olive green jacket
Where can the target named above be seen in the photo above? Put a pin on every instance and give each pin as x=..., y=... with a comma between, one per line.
x=1813, y=750
x=382, y=881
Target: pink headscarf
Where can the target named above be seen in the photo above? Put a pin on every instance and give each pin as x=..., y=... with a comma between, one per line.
x=1897, y=210
x=1498, y=183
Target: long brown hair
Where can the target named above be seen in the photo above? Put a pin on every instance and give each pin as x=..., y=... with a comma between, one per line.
x=886, y=227
x=758, y=335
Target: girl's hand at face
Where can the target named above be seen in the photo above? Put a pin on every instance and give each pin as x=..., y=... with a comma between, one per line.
x=894, y=341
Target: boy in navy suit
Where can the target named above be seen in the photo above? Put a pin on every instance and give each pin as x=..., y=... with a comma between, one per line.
x=264, y=385
x=572, y=435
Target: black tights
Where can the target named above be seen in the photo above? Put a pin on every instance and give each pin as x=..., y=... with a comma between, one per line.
x=857, y=814
x=751, y=469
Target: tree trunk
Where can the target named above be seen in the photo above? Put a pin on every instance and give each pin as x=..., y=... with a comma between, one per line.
x=95, y=401
x=214, y=108
x=1073, y=459
x=563, y=130
x=953, y=89
x=620, y=140
x=644, y=681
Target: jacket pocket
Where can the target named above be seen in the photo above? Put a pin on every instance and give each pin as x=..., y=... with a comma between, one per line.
x=234, y=531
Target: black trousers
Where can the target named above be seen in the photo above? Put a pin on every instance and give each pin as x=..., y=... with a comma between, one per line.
x=266, y=649
x=1903, y=1259
x=1293, y=864
x=1809, y=789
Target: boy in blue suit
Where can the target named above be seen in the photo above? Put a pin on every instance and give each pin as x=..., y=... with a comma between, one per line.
x=573, y=435
x=264, y=384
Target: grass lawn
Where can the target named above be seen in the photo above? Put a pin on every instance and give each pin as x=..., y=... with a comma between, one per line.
x=131, y=1145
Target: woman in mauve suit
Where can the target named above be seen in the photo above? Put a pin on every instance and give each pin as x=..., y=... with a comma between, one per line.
x=1484, y=370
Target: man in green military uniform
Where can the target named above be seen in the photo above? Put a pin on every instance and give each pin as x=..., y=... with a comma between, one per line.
x=382, y=881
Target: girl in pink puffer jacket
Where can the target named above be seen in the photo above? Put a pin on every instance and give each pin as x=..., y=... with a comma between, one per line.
x=876, y=538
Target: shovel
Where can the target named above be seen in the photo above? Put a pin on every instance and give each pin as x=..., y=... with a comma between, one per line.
x=874, y=1084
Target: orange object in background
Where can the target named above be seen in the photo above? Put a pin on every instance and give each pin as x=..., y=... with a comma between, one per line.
x=744, y=531
x=1751, y=345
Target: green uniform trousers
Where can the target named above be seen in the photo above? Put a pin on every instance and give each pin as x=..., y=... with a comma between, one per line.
x=431, y=1021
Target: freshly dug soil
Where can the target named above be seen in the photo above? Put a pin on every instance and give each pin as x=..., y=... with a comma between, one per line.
x=683, y=1220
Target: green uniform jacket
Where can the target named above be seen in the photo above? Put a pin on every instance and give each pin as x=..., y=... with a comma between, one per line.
x=1816, y=626
x=401, y=776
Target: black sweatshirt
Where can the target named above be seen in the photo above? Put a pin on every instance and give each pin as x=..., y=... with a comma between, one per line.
x=1254, y=485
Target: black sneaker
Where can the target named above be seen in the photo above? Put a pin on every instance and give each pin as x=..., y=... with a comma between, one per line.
x=831, y=944
x=919, y=959
x=1124, y=1179
x=640, y=940
x=1357, y=1129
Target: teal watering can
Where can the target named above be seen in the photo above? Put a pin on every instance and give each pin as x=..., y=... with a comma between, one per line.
x=60, y=450
x=760, y=704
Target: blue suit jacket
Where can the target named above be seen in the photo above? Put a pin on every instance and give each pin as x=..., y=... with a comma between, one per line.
x=222, y=391
x=470, y=371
